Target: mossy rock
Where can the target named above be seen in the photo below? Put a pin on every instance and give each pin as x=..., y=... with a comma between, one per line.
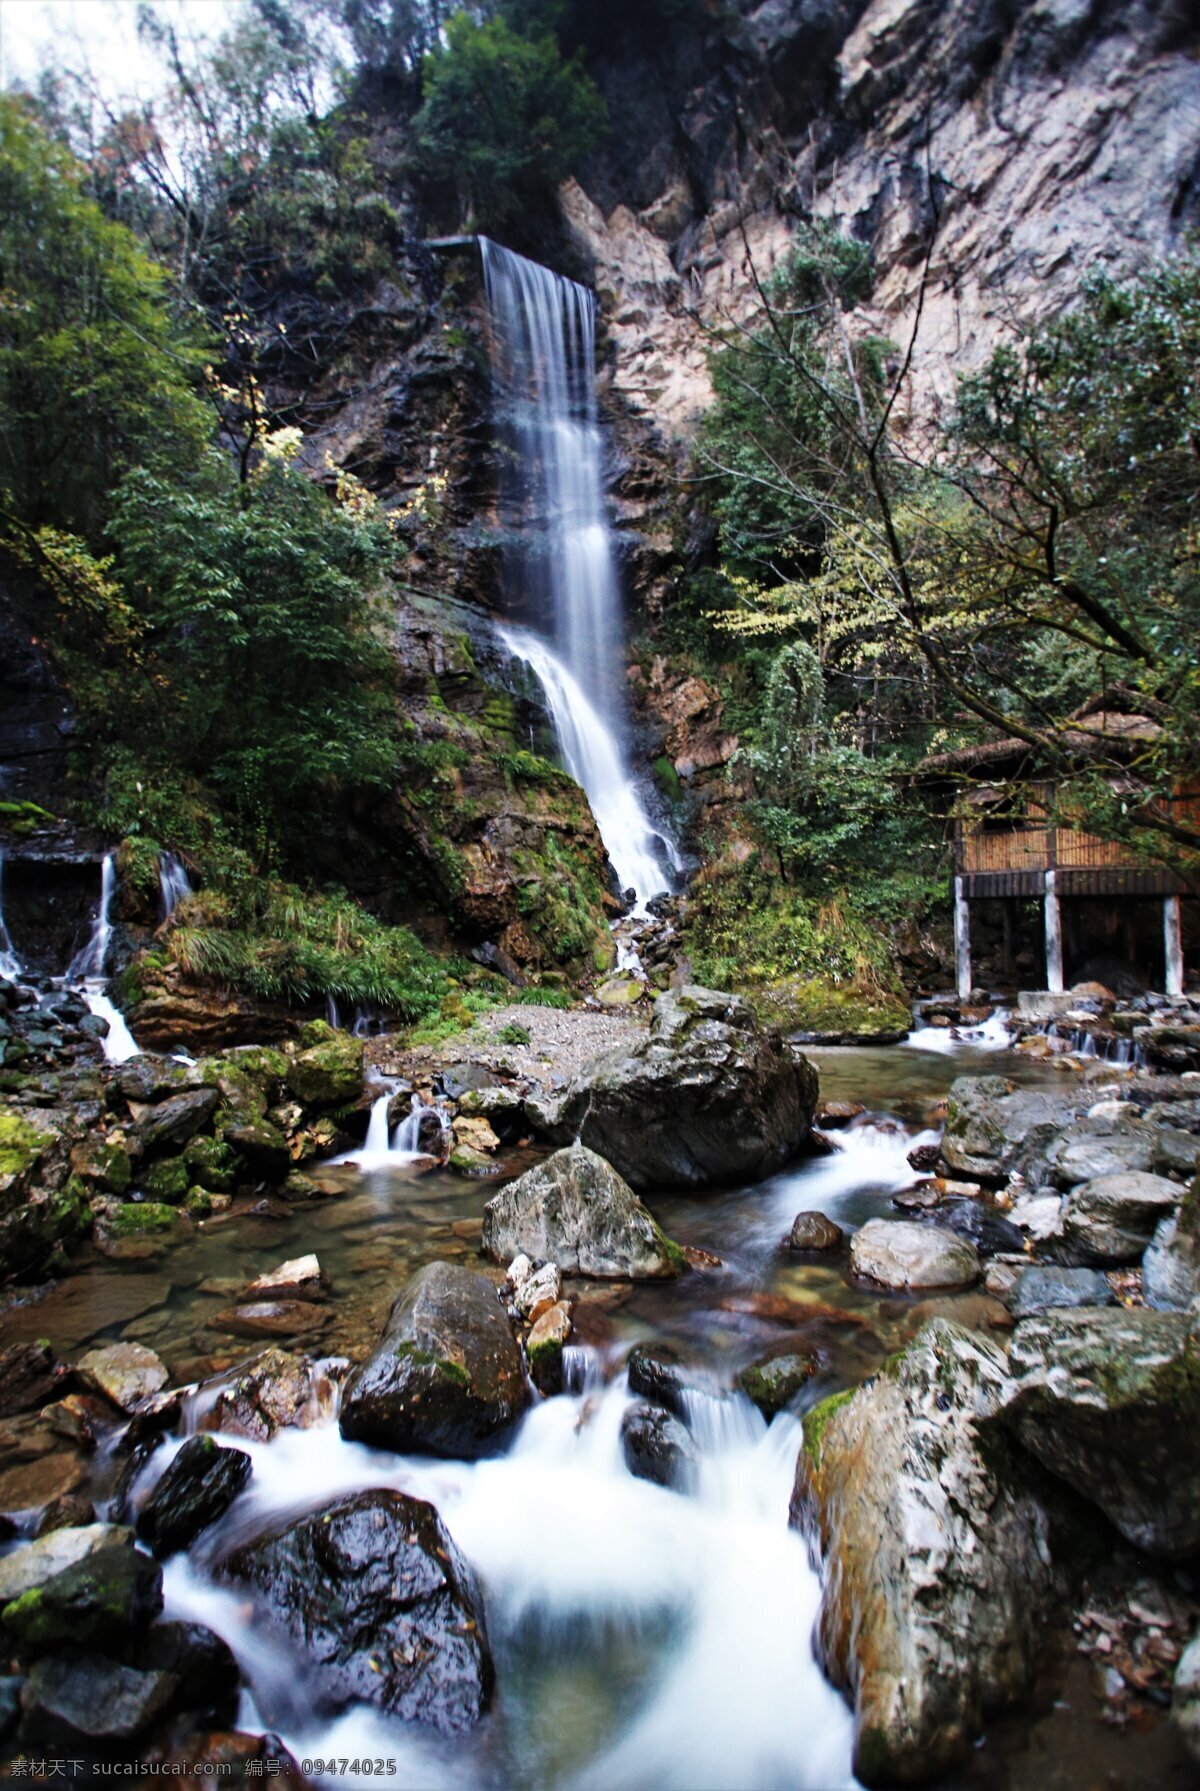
x=211, y=1164
x=165, y=1181
x=21, y=1143
x=816, y=1421
x=109, y=1597
x=139, y=1217
x=833, y=1011
x=107, y=1165
x=328, y=1070
x=198, y=1203
x=774, y=1382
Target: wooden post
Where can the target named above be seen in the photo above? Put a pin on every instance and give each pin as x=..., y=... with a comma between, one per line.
x=962, y=940
x=1173, y=945
x=1054, y=950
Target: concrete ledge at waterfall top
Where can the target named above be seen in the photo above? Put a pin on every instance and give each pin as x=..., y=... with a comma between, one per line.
x=706, y=1096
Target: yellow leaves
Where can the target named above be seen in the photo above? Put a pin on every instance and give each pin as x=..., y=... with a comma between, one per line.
x=75, y=579
x=282, y=445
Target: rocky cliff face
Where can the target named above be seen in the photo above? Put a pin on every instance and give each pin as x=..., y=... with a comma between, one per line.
x=1050, y=137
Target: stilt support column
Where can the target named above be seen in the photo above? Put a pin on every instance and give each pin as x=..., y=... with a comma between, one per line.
x=1173, y=945
x=1054, y=950
x=962, y=940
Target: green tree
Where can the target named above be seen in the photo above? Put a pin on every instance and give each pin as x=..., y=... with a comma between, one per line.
x=504, y=118
x=98, y=372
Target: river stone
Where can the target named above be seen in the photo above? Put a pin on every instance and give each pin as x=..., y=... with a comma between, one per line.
x=40, y=1561
x=655, y=1371
x=658, y=1447
x=198, y=1487
x=262, y=1145
x=446, y=1377
x=300, y=1279
x=72, y=1698
x=1111, y=1219
x=30, y=1375
x=126, y=1373
x=813, y=1231
x=544, y=1348
x=171, y=1123
x=980, y=1224
x=1109, y=1401
x=328, y=1070
x=266, y=1395
x=1176, y=1152
x=1185, y=1698
x=576, y=1210
x=537, y=1292
x=1042, y=1289
x=381, y=1605
x=774, y=1381
x=706, y=1096
x=903, y=1254
x=937, y=1564
x=270, y=1318
x=1097, y=1148
x=100, y=1599
x=204, y=1665
x=993, y=1127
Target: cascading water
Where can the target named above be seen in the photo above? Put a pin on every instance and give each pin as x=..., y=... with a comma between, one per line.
x=558, y=546
x=388, y=1147
x=10, y=963
x=173, y=883
x=87, y=972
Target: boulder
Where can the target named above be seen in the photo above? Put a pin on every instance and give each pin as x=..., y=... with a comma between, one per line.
x=43, y=1205
x=327, y=1071
x=170, y=1124
x=380, y=1604
x=813, y=1231
x=101, y=1599
x=774, y=1381
x=1109, y=1401
x=204, y=1665
x=262, y=1145
x=576, y=1210
x=937, y=1561
x=980, y=1224
x=1093, y=1149
x=658, y=1447
x=302, y=1278
x=706, y=1096
x=1111, y=1219
x=52, y=1554
x=1042, y=1289
x=446, y=1377
x=72, y=1699
x=1171, y=1265
x=993, y=1127
x=29, y=1376
x=126, y=1373
x=655, y=1371
x=198, y=1487
x=902, y=1253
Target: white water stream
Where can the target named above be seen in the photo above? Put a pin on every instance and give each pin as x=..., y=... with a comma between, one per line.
x=173, y=883
x=559, y=556
x=713, y=1586
x=10, y=964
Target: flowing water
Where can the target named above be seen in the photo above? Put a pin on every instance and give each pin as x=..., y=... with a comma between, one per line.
x=10, y=964
x=643, y=1638
x=86, y=970
x=173, y=883
x=560, y=563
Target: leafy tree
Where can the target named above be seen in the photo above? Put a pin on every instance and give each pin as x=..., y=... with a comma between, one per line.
x=262, y=671
x=504, y=117
x=97, y=371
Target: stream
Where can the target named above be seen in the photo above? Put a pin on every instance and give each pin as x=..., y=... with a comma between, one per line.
x=643, y=1637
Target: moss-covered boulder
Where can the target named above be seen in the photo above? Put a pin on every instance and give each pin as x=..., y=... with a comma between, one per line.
x=104, y=1599
x=773, y=1382
x=446, y=1377
x=43, y=1203
x=139, y=1218
x=211, y=1164
x=327, y=1071
x=103, y=1165
x=705, y=1097
x=166, y=1181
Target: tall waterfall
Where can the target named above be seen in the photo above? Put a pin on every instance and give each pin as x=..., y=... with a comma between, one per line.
x=558, y=546
x=90, y=960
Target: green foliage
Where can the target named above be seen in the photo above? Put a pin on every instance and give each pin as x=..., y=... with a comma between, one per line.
x=97, y=373
x=535, y=996
x=280, y=943
x=513, y=1034
x=504, y=117
x=262, y=673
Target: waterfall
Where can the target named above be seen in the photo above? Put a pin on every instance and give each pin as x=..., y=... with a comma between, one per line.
x=392, y=1148
x=10, y=963
x=90, y=961
x=558, y=545
x=173, y=883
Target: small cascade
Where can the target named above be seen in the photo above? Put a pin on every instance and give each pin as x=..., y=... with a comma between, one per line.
x=173, y=883
x=119, y=1042
x=331, y=1013
x=993, y=1034
x=559, y=554
x=387, y=1147
x=10, y=963
x=90, y=961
